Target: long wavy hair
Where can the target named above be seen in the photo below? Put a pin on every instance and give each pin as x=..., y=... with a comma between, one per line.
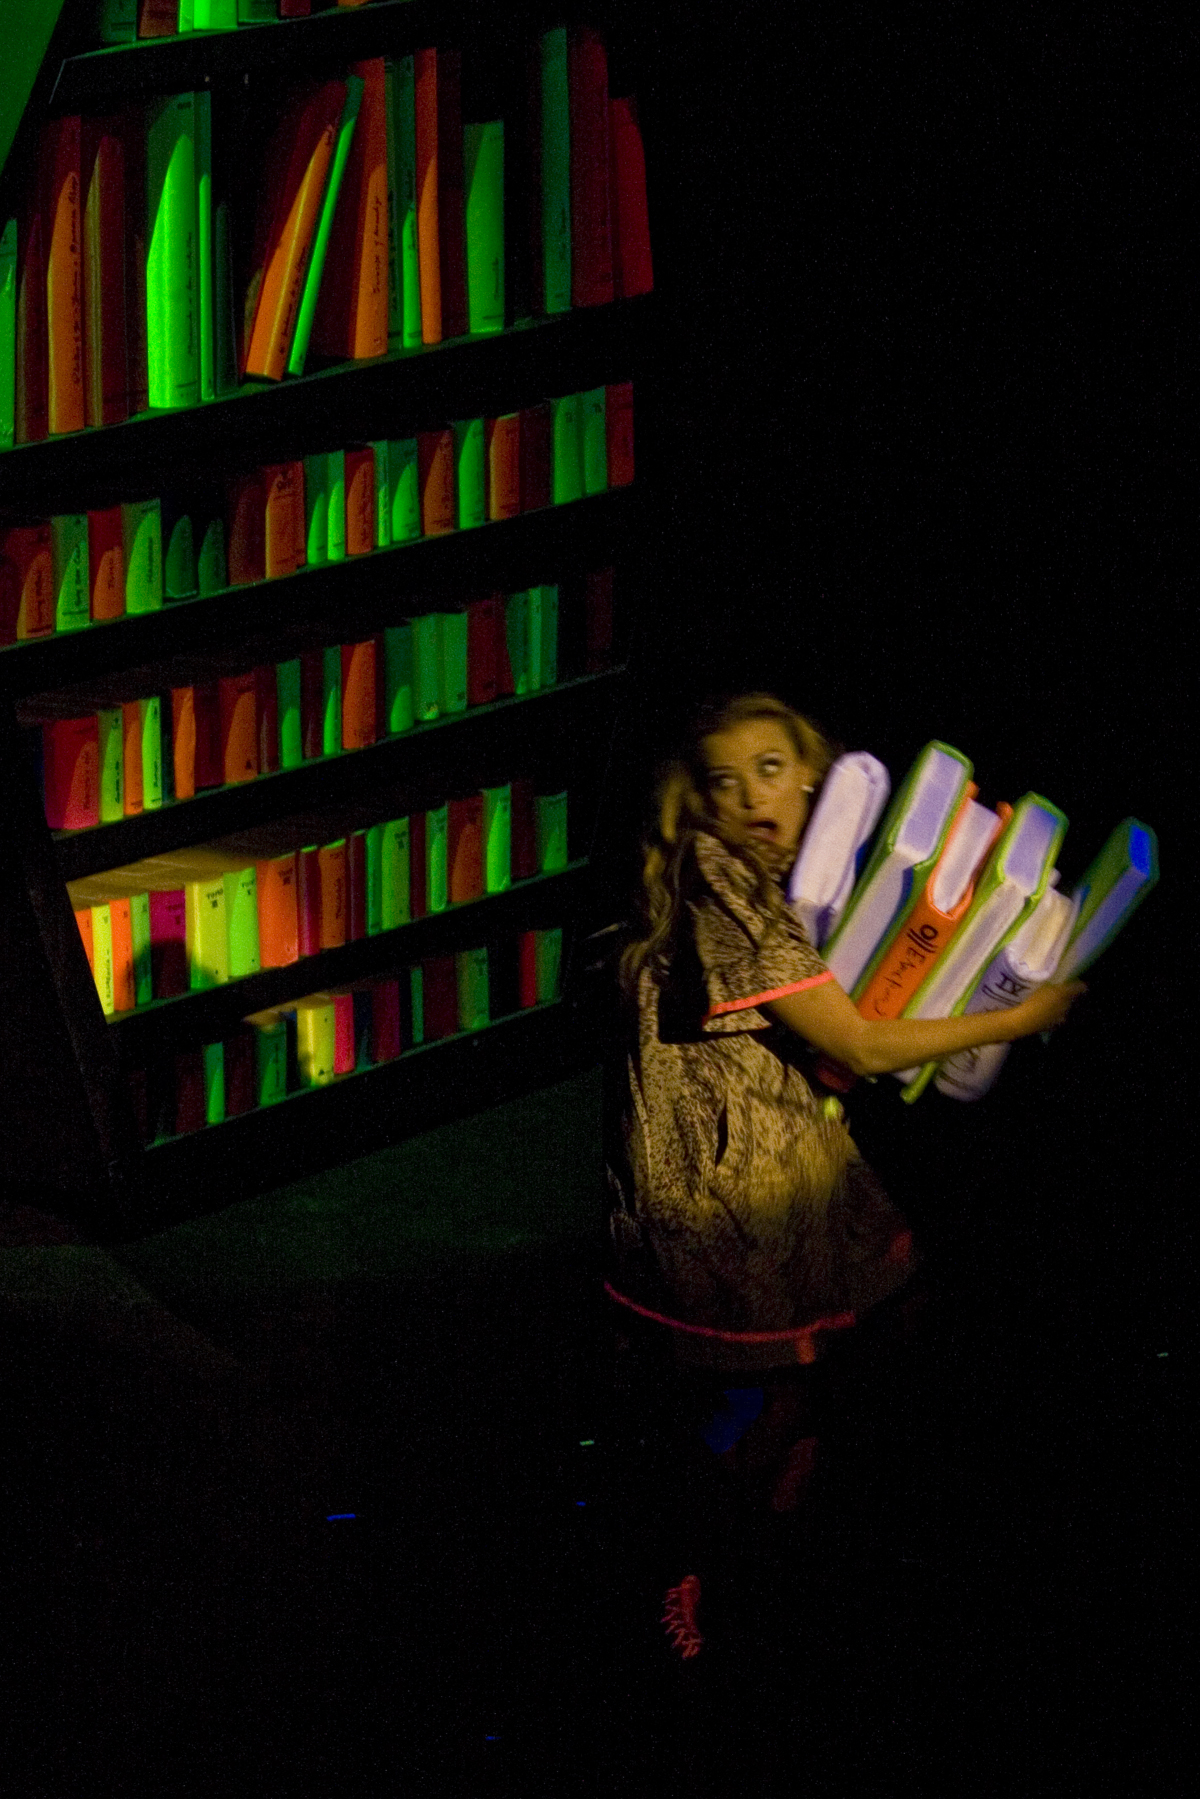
x=682, y=809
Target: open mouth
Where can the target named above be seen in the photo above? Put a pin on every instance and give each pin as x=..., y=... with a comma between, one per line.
x=763, y=827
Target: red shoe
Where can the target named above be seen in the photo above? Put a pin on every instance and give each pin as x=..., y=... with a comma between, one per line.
x=679, y=1616
x=796, y=1477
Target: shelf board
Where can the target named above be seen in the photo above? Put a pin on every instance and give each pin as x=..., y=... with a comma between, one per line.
x=194, y=1018
x=504, y=556
x=350, y=402
x=459, y=741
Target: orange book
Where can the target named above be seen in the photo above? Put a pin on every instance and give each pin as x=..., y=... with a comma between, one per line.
x=60, y=153
x=504, y=466
x=435, y=473
x=464, y=848
x=619, y=433
x=84, y=921
x=133, y=787
x=105, y=358
x=360, y=500
x=71, y=773
x=106, y=563
x=591, y=224
x=331, y=859
x=282, y=494
x=298, y=161
x=429, y=262
x=245, y=550
x=266, y=711
x=278, y=920
x=352, y=308
x=26, y=583
x=236, y=700
x=183, y=742
x=358, y=694
x=31, y=417
x=124, y=986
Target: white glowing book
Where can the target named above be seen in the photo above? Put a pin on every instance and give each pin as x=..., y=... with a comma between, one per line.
x=1025, y=962
x=909, y=844
x=1014, y=880
x=854, y=794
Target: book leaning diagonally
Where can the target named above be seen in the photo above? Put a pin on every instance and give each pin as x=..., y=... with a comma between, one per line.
x=1028, y=959
x=1017, y=875
x=852, y=797
x=1115, y=883
x=908, y=846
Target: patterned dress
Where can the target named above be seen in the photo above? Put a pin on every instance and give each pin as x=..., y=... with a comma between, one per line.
x=739, y=1200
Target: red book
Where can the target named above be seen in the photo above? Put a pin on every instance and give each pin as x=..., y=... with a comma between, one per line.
x=464, y=848
x=278, y=916
x=618, y=403
x=360, y=500
x=591, y=225
x=283, y=519
x=598, y=621
x=71, y=773
x=157, y=18
x=168, y=944
x=210, y=762
x=343, y=1033
x=358, y=694
x=266, y=709
x=31, y=395
x=295, y=9
x=417, y=882
x=386, y=1040
x=440, y=997
x=312, y=704
x=356, y=886
x=352, y=308
x=527, y=983
x=504, y=466
x=133, y=785
x=106, y=365
x=435, y=472
x=308, y=899
x=183, y=742
x=240, y=1083
x=485, y=634
x=331, y=861
x=524, y=831
x=106, y=563
x=246, y=543
x=451, y=220
x=633, y=272
x=26, y=583
x=429, y=260
x=238, y=723
x=60, y=153
x=536, y=455
x=189, y=1091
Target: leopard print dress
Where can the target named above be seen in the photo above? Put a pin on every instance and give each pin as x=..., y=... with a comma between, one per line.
x=739, y=1200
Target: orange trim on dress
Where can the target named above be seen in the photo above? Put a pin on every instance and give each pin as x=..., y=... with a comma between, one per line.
x=801, y=1335
x=761, y=999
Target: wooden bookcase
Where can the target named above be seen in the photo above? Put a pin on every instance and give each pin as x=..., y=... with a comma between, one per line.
x=69, y=1130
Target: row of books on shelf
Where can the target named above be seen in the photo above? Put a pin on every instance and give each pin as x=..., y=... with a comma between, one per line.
x=74, y=569
x=194, y=919
x=957, y=906
x=125, y=759
x=136, y=275
x=318, y=1039
x=133, y=21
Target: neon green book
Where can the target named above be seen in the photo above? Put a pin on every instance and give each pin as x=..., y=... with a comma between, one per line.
x=437, y=873
x=905, y=854
x=593, y=425
x=118, y=21
x=316, y=509
x=427, y=640
x=331, y=700
x=483, y=175
x=241, y=921
x=205, y=933
x=550, y=817
x=306, y=312
x=172, y=254
x=471, y=972
x=548, y=963
x=215, y=15
x=8, y=333
x=212, y=574
x=336, y=505
x=214, y=1083
x=69, y=548
x=416, y=1001
x=287, y=697
x=139, y=933
x=404, y=283
x=556, y=173
x=1012, y=882
x=186, y=17
x=395, y=874
x=316, y=1039
x=102, y=958
x=270, y=1057
x=257, y=12
x=542, y=655
x=150, y=711
x=470, y=470
x=180, y=579
x=404, y=480
x=110, y=722
x=383, y=495
x=205, y=248
x=497, y=839
x=141, y=533
x=1112, y=889
x=568, y=449
x=398, y=678
x=516, y=634
x=452, y=662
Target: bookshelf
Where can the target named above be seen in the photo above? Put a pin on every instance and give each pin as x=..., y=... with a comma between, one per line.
x=74, y=1126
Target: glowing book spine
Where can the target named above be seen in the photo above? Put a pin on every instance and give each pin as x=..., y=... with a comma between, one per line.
x=853, y=795
x=1113, y=887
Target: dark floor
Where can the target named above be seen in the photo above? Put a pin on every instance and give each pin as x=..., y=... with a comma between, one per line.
x=983, y=1597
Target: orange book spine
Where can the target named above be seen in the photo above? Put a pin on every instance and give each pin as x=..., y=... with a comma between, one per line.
x=84, y=921
x=278, y=919
x=283, y=530
x=183, y=741
x=106, y=563
x=352, y=308
x=504, y=466
x=360, y=500
x=246, y=544
x=124, y=987
x=31, y=417
x=464, y=848
x=106, y=367
x=64, y=276
x=618, y=427
x=358, y=694
x=236, y=701
x=279, y=283
x=435, y=473
x=133, y=784
x=429, y=262
x=331, y=860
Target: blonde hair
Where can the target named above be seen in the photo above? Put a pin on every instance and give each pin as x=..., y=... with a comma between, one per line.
x=682, y=810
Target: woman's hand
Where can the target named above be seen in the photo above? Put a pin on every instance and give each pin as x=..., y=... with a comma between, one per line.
x=1048, y=1005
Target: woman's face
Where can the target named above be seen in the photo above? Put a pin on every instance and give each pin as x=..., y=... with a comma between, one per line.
x=758, y=783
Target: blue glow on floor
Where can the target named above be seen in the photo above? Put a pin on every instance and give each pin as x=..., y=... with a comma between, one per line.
x=333, y=1517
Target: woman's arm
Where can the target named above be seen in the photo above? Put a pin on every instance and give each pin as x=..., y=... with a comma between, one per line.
x=828, y=1019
